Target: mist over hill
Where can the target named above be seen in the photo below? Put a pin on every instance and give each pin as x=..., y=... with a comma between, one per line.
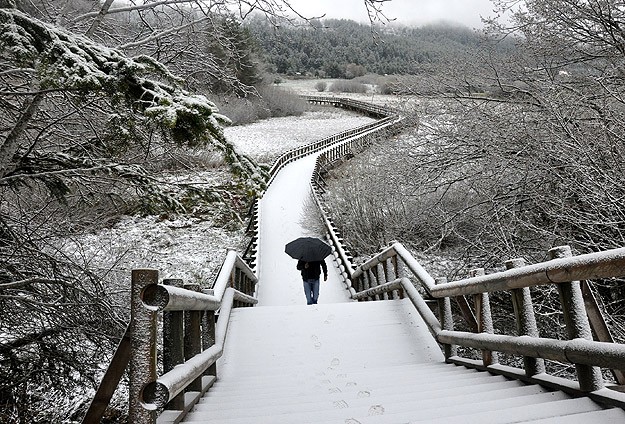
x=338, y=48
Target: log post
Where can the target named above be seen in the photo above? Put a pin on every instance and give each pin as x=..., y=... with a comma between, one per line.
x=380, y=277
x=366, y=281
x=446, y=318
x=398, y=274
x=387, y=277
x=525, y=319
x=192, y=337
x=577, y=325
x=173, y=344
x=208, y=337
x=484, y=318
x=143, y=346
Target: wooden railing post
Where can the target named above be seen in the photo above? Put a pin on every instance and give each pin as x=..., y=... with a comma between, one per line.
x=576, y=320
x=525, y=319
x=484, y=318
x=366, y=281
x=387, y=277
x=379, y=279
x=447, y=320
x=397, y=274
x=143, y=346
x=173, y=344
x=192, y=337
x=208, y=337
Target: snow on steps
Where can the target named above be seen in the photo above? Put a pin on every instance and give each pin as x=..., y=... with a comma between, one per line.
x=367, y=363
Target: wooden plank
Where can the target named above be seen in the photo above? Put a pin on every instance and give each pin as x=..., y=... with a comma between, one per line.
x=110, y=381
x=598, y=325
x=466, y=312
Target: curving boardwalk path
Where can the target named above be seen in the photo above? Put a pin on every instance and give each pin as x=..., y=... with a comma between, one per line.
x=286, y=212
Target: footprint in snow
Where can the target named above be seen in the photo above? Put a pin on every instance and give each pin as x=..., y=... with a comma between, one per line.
x=352, y=421
x=341, y=404
x=376, y=410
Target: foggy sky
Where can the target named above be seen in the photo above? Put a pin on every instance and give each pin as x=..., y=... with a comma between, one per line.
x=408, y=12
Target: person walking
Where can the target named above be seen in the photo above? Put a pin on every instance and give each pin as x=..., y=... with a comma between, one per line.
x=311, y=273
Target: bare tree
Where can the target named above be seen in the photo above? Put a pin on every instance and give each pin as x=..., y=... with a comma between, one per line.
x=91, y=95
x=522, y=150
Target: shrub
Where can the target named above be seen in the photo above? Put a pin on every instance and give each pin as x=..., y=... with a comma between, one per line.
x=280, y=102
x=321, y=86
x=344, y=86
x=270, y=102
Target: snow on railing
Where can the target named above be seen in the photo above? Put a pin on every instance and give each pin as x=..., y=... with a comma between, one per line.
x=192, y=340
x=386, y=273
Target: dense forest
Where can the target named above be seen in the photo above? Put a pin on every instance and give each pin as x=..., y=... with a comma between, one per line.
x=346, y=49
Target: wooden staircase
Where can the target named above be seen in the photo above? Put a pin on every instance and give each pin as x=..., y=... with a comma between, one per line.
x=367, y=362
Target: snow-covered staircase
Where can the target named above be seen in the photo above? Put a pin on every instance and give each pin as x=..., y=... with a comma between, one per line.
x=368, y=362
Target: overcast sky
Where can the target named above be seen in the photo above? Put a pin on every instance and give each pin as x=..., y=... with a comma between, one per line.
x=406, y=12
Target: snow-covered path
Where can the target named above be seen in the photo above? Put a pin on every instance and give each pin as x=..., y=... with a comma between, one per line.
x=285, y=214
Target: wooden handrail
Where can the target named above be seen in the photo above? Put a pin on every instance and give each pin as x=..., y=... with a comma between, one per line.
x=576, y=351
x=606, y=264
x=563, y=271
x=158, y=393
x=235, y=285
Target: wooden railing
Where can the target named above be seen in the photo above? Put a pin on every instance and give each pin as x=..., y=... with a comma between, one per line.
x=192, y=341
x=394, y=273
x=357, y=105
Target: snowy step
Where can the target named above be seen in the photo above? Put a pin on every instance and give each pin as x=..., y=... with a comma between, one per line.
x=396, y=402
x=497, y=411
x=348, y=385
x=606, y=416
x=383, y=414
x=512, y=415
x=497, y=390
x=520, y=413
x=414, y=371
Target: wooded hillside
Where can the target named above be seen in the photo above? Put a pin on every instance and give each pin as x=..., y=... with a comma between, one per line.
x=345, y=49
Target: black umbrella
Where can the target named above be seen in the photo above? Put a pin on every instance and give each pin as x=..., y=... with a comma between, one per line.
x=308, y=249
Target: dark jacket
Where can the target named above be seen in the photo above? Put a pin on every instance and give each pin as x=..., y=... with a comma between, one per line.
x=313, y=271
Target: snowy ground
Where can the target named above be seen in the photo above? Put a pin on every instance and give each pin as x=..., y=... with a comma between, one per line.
x=266, y=140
